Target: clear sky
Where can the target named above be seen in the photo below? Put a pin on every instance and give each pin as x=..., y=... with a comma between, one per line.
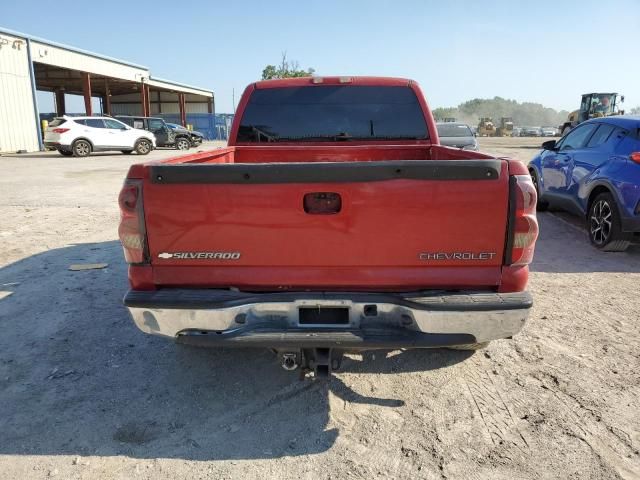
x=542, y=51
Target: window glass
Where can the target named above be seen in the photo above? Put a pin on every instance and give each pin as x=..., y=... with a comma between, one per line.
x=624, y=141
x=453, y=130
x=138, y=123
x=601, y=135
x=586, y=103
x=155, y=124
x=94, y=122
x=616, y=136
x=577, y=138
x=332, y=112
x=126, y=120
x=601, y=104
x=56, y=122
x=113, y=124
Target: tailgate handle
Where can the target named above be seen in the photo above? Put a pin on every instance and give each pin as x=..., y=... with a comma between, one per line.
x=322, y=203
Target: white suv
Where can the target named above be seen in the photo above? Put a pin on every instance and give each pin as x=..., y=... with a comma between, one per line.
x=79, y=136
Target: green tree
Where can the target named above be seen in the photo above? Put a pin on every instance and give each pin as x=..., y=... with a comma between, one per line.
x=286, y=69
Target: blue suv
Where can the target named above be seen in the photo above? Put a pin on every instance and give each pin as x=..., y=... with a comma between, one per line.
x=594, y=171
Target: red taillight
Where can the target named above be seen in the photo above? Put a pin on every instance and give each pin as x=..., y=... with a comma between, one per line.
x=60, y=130
x=131, y=229
x=524, y=223
x=635, y=156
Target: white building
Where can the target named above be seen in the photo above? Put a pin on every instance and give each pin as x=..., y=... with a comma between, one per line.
x=28, y=64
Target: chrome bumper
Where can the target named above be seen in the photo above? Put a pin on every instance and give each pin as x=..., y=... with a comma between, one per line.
x=227, y=318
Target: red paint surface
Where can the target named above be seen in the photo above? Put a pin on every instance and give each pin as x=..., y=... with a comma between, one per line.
x=373, y=243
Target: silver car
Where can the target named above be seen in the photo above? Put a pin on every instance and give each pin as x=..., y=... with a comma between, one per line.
x=456, y=134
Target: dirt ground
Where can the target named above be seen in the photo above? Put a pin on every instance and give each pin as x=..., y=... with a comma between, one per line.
x=85, y=395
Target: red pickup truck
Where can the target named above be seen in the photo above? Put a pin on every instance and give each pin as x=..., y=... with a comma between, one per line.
x=333, y=222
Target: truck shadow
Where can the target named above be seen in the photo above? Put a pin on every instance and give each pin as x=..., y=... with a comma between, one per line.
x=77, y=378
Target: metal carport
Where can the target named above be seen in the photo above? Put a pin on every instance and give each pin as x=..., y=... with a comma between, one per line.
x=29, y=63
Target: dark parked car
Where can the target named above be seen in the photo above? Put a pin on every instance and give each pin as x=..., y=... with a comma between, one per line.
x=165, y=136
x=594, y=172
x=530, y=132
x=456, y=134
x=196, y=137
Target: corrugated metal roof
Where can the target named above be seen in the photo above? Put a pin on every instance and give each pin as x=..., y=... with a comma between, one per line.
x=183, y=85
x=70, y=48
x=102, y=57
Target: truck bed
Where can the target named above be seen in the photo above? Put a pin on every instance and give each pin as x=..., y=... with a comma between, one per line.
x=347, y=152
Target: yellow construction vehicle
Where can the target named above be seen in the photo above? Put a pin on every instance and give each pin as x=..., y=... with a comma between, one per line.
x=593, y=105
x=506, y=127
x=486, y=128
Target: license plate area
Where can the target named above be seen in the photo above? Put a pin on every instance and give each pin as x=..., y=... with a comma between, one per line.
x=323, y=316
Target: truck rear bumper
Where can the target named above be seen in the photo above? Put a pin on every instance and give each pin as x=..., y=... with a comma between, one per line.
x=328, y=320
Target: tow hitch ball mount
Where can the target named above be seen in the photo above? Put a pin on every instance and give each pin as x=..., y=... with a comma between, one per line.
x=320, y=361
x=289, y=361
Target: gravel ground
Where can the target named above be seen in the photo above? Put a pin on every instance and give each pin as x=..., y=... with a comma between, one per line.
x=84, y=394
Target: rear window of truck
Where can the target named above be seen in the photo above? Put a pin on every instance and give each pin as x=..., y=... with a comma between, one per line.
x=331, y=113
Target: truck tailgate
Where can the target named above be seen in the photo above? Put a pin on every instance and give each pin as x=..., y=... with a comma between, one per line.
x=351, y=225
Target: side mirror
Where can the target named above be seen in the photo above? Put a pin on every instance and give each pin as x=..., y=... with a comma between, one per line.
x=622, y=99
x=549, y=145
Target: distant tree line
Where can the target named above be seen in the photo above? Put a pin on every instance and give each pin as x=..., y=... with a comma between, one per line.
x=523, y=114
